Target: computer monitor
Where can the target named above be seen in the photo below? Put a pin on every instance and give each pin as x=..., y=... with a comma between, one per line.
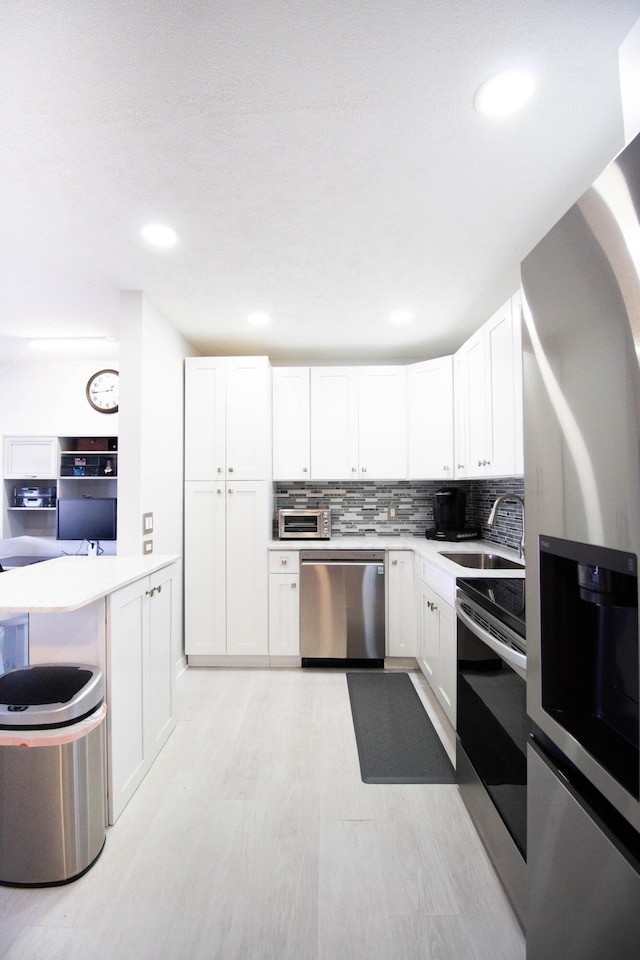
x=86, y=518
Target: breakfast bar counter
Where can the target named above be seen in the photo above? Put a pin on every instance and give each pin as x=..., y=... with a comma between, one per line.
x=68, y=583
x=119, y=613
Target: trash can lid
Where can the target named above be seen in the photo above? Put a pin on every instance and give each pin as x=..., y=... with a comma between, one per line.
x=49, y=695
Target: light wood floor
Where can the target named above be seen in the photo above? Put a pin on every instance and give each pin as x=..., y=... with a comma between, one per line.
x=254, y=838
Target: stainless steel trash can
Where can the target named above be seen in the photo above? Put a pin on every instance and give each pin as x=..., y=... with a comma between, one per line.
x=52, y=773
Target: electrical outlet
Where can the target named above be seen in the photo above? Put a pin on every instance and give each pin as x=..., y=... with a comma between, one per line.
x=392, y=512
x=147, y=546
x=147, y=523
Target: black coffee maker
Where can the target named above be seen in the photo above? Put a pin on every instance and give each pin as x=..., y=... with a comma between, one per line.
x=449, y=509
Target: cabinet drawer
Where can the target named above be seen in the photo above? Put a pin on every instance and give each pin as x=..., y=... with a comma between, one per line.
x=284, y=561
x=443, y=583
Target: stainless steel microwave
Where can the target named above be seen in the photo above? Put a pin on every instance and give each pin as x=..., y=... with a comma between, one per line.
x=304, y=524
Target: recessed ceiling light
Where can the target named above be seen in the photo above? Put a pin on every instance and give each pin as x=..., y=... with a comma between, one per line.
x=259, y=319
x=401, y=316
x=159, y=235
x=504, y=93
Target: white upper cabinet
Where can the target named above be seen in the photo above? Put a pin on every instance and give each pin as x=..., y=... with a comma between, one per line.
x=227, y=418
x=460, y=442
x=488, y=398
x=291, y=423
x=358, y=423
x=30, y=458
x=334, y=423
x=430, y=408
x=382, y=418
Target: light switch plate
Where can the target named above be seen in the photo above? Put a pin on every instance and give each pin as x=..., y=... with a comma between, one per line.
x=147, y=523
x=147, y=546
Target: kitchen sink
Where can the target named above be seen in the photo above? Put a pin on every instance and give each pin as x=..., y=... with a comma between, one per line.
x=483, y=561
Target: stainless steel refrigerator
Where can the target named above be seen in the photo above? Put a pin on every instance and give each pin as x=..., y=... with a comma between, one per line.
x=581, y=342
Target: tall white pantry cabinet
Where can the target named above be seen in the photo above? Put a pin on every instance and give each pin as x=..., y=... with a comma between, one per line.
x=227, y=506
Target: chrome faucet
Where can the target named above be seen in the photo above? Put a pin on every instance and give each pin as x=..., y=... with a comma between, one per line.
x=494, y=510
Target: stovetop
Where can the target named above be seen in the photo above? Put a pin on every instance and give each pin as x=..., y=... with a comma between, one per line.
x=504, y=598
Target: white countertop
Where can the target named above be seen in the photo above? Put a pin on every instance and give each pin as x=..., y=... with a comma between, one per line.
x=67, y=583
x=429, y=550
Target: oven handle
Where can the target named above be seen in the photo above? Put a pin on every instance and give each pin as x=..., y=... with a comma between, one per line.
x=508, y=654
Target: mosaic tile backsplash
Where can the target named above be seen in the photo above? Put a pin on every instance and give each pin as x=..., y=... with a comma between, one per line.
x=361, y=509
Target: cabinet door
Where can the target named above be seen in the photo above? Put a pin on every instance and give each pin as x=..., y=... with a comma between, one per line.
x=401, y=620
x=460, y=425
x=518, y=399
x=504, y=356
x=205, y=568
x=448, y=676
x=159, y=672
x=382, y=423
x=126, y=764
x=248, y=523
x=291, y=423
x=204, y=421
x=478, y=454
x=500, y=413
x=248, y=420
x=284, y=614
x=30, y=458
x=429, y=641
x=430, y=410
x=334, y=423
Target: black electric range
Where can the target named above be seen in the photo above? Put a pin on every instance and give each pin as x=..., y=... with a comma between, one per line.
x=504, y=598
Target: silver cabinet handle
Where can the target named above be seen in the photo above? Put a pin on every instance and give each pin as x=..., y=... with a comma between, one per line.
x=394, y=563
x=230, y=469
x=219, y=470
x=364, y=469
x=354, y=469
x=305, y=469
x=230, y=491
x=293, y=586
x=284, y=561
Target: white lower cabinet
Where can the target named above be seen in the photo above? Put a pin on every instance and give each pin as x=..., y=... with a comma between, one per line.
x=226, y=591
x=284, y=604
x=401, y=599
x=140, y=682
x=436, y=653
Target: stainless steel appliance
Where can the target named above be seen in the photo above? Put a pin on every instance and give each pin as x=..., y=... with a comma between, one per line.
x=492, y=725
x=342, y=608
x=304, y=524
x=581, y=345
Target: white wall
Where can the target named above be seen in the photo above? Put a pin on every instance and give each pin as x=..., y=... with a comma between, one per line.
x=48, y=397
x=630, y=83
x=151, y=437
x=151, y=432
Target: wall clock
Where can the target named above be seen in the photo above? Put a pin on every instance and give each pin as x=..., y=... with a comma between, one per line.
x=102, y=391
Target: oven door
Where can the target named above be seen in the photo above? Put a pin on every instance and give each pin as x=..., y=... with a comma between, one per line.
x=492, y=716
x=492, y=733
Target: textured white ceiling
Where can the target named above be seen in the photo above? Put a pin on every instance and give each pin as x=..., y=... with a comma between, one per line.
x=320, y=159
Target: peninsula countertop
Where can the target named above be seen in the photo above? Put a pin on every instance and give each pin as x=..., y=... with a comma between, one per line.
x=68, y=583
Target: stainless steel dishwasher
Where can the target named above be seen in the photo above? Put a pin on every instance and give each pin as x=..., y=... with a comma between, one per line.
x=342, y=608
